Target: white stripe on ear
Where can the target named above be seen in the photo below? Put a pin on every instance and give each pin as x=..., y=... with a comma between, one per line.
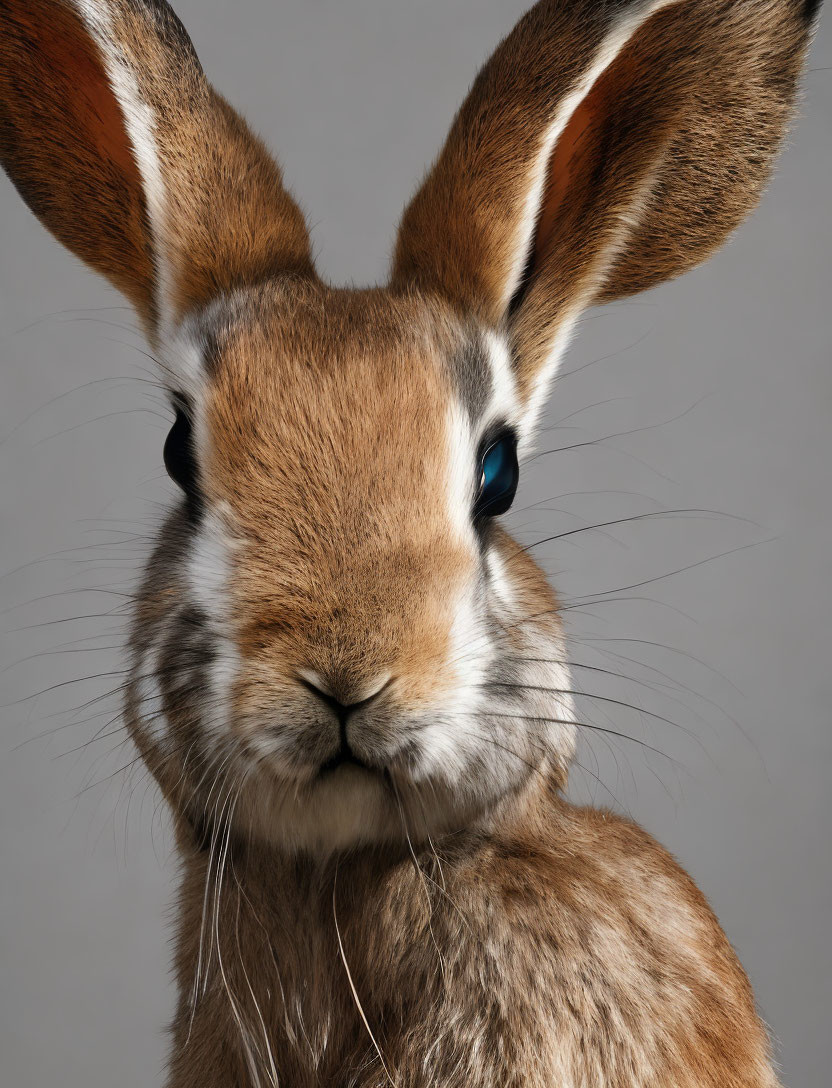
x=607, y=53
x=541, y=387
x=141, y=130
x=615, y=41
x=568, y=324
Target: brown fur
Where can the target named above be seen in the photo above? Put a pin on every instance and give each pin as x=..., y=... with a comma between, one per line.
x=453, y=923
x=567, y=948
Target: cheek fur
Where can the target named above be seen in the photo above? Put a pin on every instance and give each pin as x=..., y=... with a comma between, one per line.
x=536, y=681
x=508, y=711
x=470, y=649
x=150, y=719
x=455, y=749
x=208, y=575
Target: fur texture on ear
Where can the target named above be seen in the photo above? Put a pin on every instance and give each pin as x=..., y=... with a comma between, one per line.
x=604, y=148
x=121, y=147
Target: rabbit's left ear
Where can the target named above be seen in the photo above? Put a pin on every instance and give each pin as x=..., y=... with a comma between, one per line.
x=604, y=148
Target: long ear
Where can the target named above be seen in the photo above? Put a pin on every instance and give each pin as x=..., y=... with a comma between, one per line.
x=605, y=147
x=117, y=142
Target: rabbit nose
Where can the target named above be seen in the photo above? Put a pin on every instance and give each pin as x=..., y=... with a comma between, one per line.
x=337, y=697
x=342, y=711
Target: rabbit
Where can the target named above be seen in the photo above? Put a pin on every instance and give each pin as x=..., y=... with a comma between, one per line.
x=349, y=682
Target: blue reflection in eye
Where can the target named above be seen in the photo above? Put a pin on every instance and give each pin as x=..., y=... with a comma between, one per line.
x=499, y=474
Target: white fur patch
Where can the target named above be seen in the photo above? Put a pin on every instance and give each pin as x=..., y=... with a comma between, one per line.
x=446, y=752
x=503, y=404
x=182, y=358
x=209, y=567
x=543, y=379
x=208, y=577
x=469, y=651
x=461, y=467
x=499, y=578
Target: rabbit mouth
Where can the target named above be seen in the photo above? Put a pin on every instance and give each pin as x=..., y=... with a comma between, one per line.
x=344, y=759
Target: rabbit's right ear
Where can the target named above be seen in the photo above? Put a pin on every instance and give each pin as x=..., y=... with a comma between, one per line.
x=607, y=145
x=117, y=142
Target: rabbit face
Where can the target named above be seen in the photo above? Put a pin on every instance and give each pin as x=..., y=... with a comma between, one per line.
x=332, y=637
x=336, y=641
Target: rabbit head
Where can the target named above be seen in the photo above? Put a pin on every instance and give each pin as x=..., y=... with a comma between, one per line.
x=336, y=642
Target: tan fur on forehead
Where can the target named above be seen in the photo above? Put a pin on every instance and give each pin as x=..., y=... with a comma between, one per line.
x=326, y=424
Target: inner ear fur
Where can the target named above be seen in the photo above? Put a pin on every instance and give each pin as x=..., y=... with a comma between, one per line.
x=699, y=100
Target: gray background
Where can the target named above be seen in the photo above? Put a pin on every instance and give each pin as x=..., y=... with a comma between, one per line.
x=723, y=377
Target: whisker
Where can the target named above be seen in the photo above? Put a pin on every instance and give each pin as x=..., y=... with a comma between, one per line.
x=689, y=512
x=590, y=695
x=422, y=876
x=583, y=725
x=680, y=570
x=355, y=996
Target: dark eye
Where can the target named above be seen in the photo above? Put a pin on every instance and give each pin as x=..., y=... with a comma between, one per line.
x=179, y=452
x=499, y=474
